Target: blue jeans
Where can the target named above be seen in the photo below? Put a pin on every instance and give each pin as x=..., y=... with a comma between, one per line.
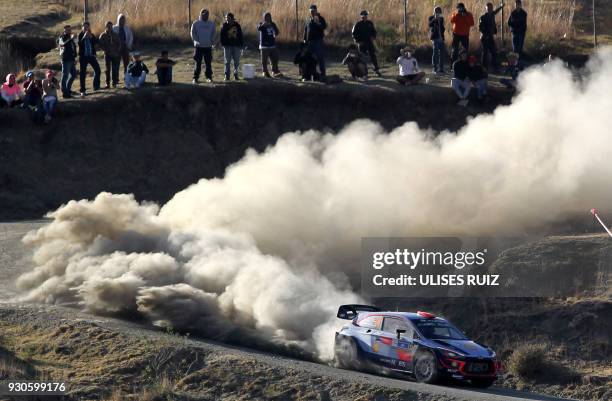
x=518, y=41
x=231, y=53
x=439, y=50
x=49, y=104
x=93, y=61
x=316, y=48
x=68, y=76
x=481, y=88
x=164, y=76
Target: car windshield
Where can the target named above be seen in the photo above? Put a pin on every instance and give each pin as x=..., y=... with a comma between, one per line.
x=436, y=330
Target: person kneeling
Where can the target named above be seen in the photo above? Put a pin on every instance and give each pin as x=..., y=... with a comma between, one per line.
x=356, y=66
x=307, y=63
x=409, y=72
x=136, y=72
x=164, y=69
x=49, y=99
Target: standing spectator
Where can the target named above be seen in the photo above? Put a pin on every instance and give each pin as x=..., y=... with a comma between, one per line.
x=164, y=69
x=512, y=72
x=409, y=72
x=127, y=39
x=10, y=93
x=32, y=89
x=268, y=31
x=307, y=63
x=233, y=42
x=354, y=61
x=462, y=21
x=49, y=99
x=68, y=53
x=136, y=73
x=364, y=34
x=488, y=29
x=314, y=34
x=461, y=82
x=203, y=36
x=478, y=76
x=87, y=55
x=436, y=34
x=518, y=27
x=111, y=44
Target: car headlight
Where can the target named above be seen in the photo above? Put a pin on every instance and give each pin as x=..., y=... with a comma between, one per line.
x=451, y=354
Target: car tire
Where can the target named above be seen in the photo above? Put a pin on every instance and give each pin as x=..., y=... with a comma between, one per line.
x=482, y=383
x=346, y=354
x=426, y=368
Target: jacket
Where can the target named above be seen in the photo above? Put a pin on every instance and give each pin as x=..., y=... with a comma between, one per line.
x=436, y=28
x=461, y=69
x=82, y=45
x=487, y=25
x=129, y=36
x=518, y=21
x=110, y=43
x=314, y=31
x=267, y=35
x=136, y=68
x=10, y=93
x=49, y=87
x=203, y=33
x=364, y=31
x=231, y=35
x=67, y=45
x=476, y=73
x=462, y=23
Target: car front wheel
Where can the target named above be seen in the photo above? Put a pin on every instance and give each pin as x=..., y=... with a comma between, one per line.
x=346, y=354
x=426, y=368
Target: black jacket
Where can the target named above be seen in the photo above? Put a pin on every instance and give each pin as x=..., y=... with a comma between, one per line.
x=68, y=50
x=364, y=31
x=314, y=31
x=476, y=73
x=94, y=43
x=436, y=28
x=231, y=35
x=487, y=25
x=518, y=21
x=461, y=69
x=135, y=68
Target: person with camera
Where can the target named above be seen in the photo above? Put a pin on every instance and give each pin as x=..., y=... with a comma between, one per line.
x=518, y=27
x=488, y=29
x=436, y=34
x=314, y=33
x=68, y=53
x=87, y=56
x=364, y=34
x=462, y=21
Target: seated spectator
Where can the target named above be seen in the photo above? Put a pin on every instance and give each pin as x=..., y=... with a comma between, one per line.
x=136, y=72
x=32, y=89
x=478, y=77
x=10, y=93
x=49, y=99
x=460, y=82
x=356, y=66
x=164, y=69
x=307, y=62
x=409, y=72
x=512, y=71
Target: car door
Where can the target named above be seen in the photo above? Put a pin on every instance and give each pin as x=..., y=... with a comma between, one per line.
x=369, y=330
x=400, y=350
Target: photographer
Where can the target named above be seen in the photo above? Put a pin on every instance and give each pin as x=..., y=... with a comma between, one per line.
x=364, y=34
x=488, y=29
x=87, y=56
x=314, y=32
x=68, y=53
x=462, y=21
x=436, y=34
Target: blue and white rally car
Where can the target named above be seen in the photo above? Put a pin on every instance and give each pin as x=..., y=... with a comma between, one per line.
x=426, y=346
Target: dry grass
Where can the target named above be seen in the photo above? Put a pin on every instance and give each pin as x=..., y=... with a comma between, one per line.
x=168, y=19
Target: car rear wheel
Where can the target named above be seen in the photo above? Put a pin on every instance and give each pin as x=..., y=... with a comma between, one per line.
x=346, y=355
x=426, y=368
x=482, y=383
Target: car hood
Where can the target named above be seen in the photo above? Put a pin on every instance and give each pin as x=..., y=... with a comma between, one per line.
x=466, y=347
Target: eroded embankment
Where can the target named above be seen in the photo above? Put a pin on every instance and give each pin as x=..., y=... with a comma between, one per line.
x=155, y=142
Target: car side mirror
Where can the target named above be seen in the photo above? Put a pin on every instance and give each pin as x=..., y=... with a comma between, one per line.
x=400, y=332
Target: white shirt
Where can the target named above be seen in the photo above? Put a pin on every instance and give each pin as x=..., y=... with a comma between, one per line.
x=407, y=66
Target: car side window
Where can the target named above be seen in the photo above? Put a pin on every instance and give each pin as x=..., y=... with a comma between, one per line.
x=391, y=324
x=371, y=322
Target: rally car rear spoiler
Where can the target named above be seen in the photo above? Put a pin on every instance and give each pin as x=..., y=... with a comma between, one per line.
x=348, y=312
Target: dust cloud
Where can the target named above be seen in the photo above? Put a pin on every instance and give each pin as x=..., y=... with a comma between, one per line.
x=269, y=248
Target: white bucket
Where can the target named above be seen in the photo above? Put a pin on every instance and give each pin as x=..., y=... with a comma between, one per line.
x=248, y=71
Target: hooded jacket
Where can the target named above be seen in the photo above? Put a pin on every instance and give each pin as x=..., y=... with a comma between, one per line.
x=436, y=28
x=267, y=34
x=129, y=36
x=203, y=33
x=10, y=93
x=231, y=35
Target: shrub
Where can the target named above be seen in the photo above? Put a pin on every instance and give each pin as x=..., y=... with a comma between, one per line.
x=528, y=361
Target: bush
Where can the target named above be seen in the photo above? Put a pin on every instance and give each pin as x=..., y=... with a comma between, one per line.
x=529, y=361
